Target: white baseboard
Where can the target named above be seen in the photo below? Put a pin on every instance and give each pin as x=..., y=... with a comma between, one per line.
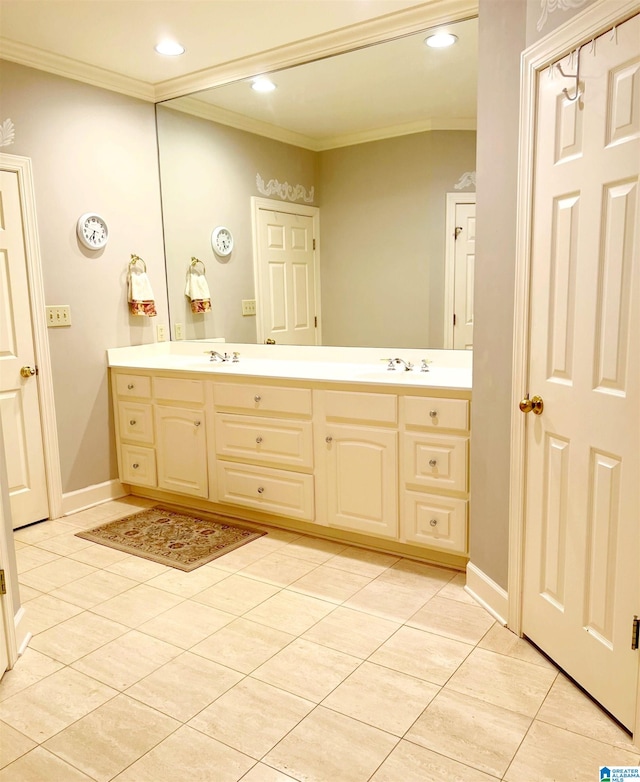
x=23, y=634
x=485, y=591
x=75, y=501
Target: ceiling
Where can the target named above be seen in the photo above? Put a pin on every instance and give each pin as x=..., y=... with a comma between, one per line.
x=111, y=43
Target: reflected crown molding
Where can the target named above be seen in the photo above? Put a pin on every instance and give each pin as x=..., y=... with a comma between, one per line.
x=284, y=190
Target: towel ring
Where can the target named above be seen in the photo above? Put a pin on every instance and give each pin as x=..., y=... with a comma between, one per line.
x=196, y=261
x=135, y=259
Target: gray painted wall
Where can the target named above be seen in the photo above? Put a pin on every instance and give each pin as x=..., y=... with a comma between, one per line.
x=92, y=150
x=502, y=32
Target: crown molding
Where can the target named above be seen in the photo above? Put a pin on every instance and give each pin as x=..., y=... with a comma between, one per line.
x=357, y=36
x=73, y=69
x=198, y=108
x=423, y=126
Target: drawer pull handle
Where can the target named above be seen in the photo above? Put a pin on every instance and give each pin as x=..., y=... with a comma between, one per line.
x=196, y=423
x=257, y=398
x=434, y=522
x=433, y=462
x=260, y=489
x=135, y=466
x=130, y=386
x=258, y=439
x=328, y=439
x=132, y=422
x=433, y=413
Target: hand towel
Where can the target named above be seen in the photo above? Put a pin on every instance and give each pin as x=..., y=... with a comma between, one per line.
x=197, y=289
x=141, y=299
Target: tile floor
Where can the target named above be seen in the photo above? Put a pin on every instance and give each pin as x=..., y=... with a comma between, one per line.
x=291, y=658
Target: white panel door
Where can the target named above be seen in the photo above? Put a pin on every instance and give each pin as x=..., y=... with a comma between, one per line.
x=465, y=257
x=19, y=399
x=582, y=536
x=286, y=275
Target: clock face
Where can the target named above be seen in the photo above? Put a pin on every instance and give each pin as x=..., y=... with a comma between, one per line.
x=222, y=241
x=92, y=231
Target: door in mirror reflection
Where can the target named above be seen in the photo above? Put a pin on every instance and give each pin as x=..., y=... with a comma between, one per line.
x=286, y=272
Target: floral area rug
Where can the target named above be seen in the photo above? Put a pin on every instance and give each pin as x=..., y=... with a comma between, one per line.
x=175, y=538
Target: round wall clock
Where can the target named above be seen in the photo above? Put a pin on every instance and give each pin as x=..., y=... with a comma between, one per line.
x=221, y=240
x=92, y=231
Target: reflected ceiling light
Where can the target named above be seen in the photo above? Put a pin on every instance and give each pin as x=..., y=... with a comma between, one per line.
x=441, y=40
x=263, y=85
x=169, y=48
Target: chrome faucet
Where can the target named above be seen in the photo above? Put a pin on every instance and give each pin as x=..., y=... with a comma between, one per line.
x=215, y=356
x=408, y=366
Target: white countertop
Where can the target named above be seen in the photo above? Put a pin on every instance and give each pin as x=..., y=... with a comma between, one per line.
x=449, y=369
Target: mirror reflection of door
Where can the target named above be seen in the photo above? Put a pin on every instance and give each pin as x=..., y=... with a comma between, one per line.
x=459, y=270
x=286, y=272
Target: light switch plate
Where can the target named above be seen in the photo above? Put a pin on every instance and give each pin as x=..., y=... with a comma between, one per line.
x=248, y=306
x=161, y=332
x=58, y=315
x=179, y=329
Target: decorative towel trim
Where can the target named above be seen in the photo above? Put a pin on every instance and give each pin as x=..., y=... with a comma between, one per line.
x=200, y=305
x=147, y=308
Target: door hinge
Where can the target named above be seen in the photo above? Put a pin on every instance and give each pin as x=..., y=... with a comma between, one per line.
x=454, y=318
x=314, y=244
x=635, y=633
x=457, y=232
x=315, y=321
x=3, y=583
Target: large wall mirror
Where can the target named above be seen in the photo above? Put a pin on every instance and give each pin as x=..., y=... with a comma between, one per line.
x=377, y=139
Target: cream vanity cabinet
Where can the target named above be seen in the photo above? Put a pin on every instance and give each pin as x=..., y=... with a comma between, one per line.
x=434, y=469
x=264, y=448
x=358, y=455
x=162, y=432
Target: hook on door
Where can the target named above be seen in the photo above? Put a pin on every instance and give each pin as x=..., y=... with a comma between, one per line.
x=575, y=76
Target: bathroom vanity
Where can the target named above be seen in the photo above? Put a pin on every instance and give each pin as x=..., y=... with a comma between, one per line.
x=328, y=441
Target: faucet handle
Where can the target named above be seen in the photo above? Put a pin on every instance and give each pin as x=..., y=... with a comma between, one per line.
x=236, y=357
x=390, y=364
x=424, y=365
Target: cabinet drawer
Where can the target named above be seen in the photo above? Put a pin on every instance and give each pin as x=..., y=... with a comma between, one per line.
x=263, y=399
x=175, y=389
x=436, y=461
x=138, y=465
x=138, y=386
x=272, y=440
x=135, y=421
x=435, y=521
x=436, y=413
x=266, y=489
x=355, y=406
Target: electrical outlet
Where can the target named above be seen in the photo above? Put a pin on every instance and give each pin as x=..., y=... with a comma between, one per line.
x=179, y=329
x=248, y=306
x=58, y=315
x=161, y=332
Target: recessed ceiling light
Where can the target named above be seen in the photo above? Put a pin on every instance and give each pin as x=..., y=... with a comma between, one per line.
x=263, y=85
x=169, y=48
x=441, y=40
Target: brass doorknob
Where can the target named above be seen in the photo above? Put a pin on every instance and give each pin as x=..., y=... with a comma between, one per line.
x=28, y=371
x=535, y=405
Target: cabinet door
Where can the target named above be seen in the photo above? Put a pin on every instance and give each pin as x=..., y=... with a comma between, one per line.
x=362, y=486
x=181, y=450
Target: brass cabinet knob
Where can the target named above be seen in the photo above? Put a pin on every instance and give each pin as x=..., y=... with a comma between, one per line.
x=28, y=371
x=260, y=489
x=132, y=422
x=433, y=413
x=328, y=439
x=434, y=522
x=534, y=405
x=433, y=462
x=257, y=398
x=258, y=439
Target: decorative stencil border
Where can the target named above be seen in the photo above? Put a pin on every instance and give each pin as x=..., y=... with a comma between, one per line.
x=551, y=6
x=468, y=179
x=7, y=133
x=284, y=190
